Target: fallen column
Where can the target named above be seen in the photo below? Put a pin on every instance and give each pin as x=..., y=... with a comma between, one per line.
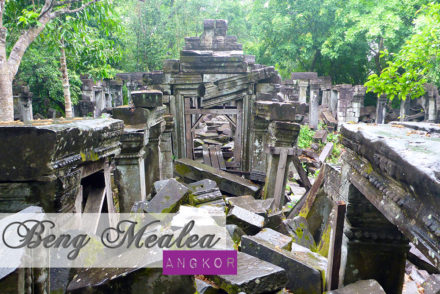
x=229, y=183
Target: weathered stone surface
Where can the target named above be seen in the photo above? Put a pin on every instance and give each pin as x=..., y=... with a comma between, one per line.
x=432, y=285
x=250, y=222
x=139, y=206
x=276, y=111
x=259, y=207
x=169, y=198
x=304, y=76
x=202, y=185
x=136, y=281
x=138, y=116
x=305, y=270
x=192, y=170
x=204, y=196
x=38, y=149
x=361, y=287
x=235, y=232
x=206, y=288
x=409, y=156
x=158, y=185
x=320, y=136
x=298, y=228
x=171, y=66
x=253, y=276
x=275, y=221
x=147, y=98
x=275, y=238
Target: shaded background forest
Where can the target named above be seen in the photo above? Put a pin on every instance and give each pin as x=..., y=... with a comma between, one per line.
x=348, y=40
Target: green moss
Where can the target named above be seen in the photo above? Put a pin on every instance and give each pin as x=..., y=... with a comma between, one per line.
x=368, y=168
x=324, y=243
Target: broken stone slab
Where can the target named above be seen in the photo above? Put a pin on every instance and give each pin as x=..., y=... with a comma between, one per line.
x=432, y=285
x=147, y=98
x=417, y=275
x=259, y=207
x=37, y=149
x=298, y=228
x=139, y=207
x=200, y=197
x=326, y=152
x=158, y=185
x=204, y=191
x=206, y=288
x=304, y=76
x=135, y=281
x=277, y=239
x=320, y=136
x=169, y=198
x=305, y=270
x=270, y=111
x=228, y=183
x=361, y=287
x=235, y=232
x=417, y=258
x=275, y=220
x=253, y=276
x=202, y=185
x=250, y=222
x=138, y=116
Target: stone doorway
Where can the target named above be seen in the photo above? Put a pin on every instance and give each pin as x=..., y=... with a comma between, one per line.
x=226, y=145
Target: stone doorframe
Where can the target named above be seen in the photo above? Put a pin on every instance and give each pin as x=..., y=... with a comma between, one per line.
x=187, y=113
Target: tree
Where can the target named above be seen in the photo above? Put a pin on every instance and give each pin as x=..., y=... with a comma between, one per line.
x=34, y=23
x=416, y=64
x=339, y=38
x=85, y=41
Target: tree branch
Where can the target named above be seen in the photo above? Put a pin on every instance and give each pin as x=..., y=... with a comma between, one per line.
x=68, y=10
x=28, y=36
x=61, y=3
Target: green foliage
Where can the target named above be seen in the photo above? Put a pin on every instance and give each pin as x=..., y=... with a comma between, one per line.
x=335, y=138
x=305, y=138
x=415, y=64
x=91, y=41
x=40, y=71
x=155, y=29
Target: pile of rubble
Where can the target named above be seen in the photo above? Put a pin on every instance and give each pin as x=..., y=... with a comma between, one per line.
x=217, y=132
x=278, y=252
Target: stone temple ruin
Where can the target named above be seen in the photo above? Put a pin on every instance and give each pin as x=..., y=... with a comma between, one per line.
x=218, y=131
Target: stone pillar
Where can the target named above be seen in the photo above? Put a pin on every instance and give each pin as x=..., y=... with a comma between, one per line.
x=116, y=92
x=303, y=86
x=404, y=108
x=25, y=105
x=375, y=248
x=326, y=87
x=431, y=103
x=152, y=160
x=166, y=149
x=381, y=110
x=334, y=97
x=284, y=135
x=258, y=157
x=345, y=104
x=130, y=169
x=358, y=101
x=314, y=104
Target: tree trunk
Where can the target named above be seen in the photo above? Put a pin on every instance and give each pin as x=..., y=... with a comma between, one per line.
x=66, y=84
x=6, y=99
